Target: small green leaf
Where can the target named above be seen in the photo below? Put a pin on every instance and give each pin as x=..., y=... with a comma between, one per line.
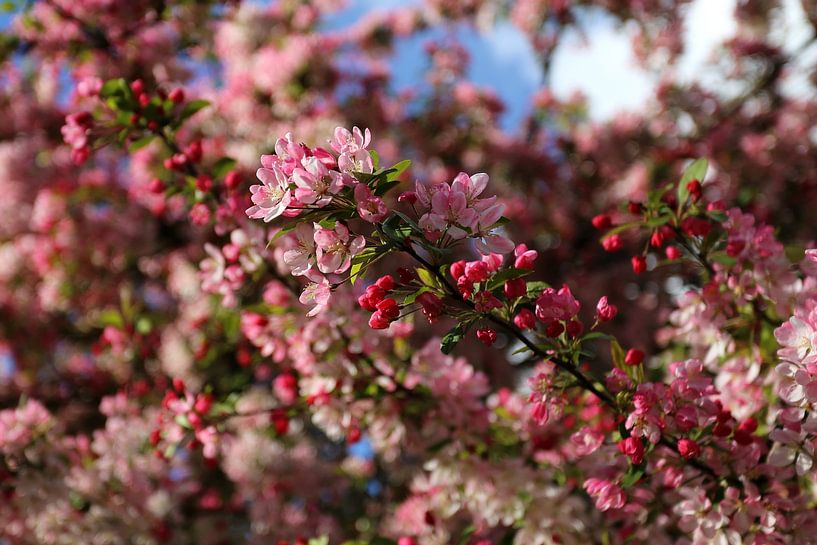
x=723, y=258
x=114, y=87
x=223, y=166
x=411, y=297
x=594, y=335
x=141, y=143
x=427, y=278
x=375, y=158
x=354, y=272
x=499, y=279
x=454, y=336
x=192, y=107
x=617, y=354
x=282, y=232
x=536, y=287
x=144, y=325
x=398, y=169
x=695, y=171
x=632, y=476
x=717, y=215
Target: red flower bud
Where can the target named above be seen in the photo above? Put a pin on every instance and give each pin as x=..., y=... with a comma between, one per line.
x=407, y=196
x=204, y=183
x=688, y=449
x=524, y=319
x=515, y=288
x=574, y=328
x=602, y=221
x=389, y=308
x=554, y=329
x=605, y=311
x=612, y=243
x=486, y=335
x=634, y=356
x=232, y=180
x=672, y=253
x=386, y=282
x=633, y=447
x=176, y=95
x=457, y=269
x=157, y=186
x=639, y=264
x=694, y=188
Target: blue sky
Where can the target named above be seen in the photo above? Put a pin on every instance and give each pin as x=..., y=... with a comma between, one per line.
x=598, y=62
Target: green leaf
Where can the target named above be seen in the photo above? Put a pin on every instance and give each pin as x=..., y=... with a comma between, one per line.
x=114, y=87
x=375, y=158
x=354, y=272
x=384, y=187
x=632, y=476
x=499, y=279
x=695, y=171
x=111, y=317
x=141, y=143
x=454, y=336
x=619, y=228
x=536, y=287
x=717, y=215
x=723, y=258
x=392, y=229
x=427, y=278
x=466, y=534
x=617, y=354
x=144, y=325
x=223, y=166
x=409, y=221
x=398, y=169
x=500, y=222
x=592, y=336
x=282, y=232
x=192, y=107
x=323, y=540
x=411, y=297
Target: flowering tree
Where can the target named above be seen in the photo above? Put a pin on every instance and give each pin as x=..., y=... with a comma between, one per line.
x=250, y=294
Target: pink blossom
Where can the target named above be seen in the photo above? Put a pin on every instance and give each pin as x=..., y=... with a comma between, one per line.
x=314, y=183
x=370, y=207
x=608, y=495
x=301, y=258
x=272, y=198
x=554, y=306
x=335, y=249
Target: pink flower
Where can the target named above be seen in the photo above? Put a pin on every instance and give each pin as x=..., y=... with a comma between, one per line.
x=76, y=129
x=318, y=293
x=449, y=214
x=471, y=186
x=605, y=311
x=524, y=258
x=608, y=495
x=488, y=239
x=798, y=341
x=335, y=250
x=301, y=258
x=351, y=149
x=271, y=199
x=314, y=183
x=633, y=447
x=552, y=306
x=370, y=207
